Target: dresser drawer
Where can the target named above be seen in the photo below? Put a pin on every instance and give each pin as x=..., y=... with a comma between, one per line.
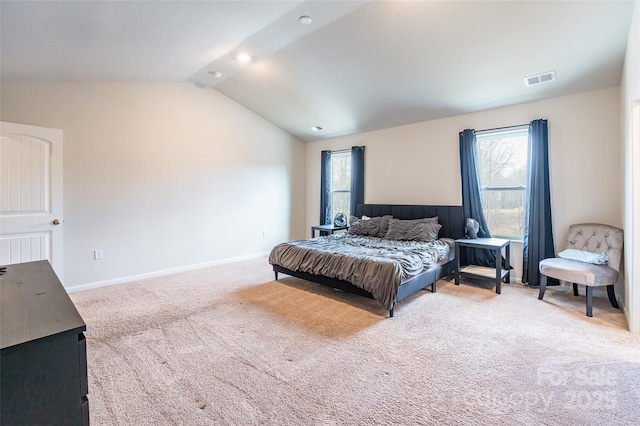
x=84, y=408
x=82, y=352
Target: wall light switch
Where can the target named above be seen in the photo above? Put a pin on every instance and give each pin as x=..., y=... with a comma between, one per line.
x=97, y=254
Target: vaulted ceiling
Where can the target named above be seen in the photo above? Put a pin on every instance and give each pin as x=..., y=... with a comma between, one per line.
x=357, y=66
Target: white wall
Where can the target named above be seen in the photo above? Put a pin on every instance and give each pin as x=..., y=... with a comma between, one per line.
x=163, y=176
x=630, y=202
x=420, y=163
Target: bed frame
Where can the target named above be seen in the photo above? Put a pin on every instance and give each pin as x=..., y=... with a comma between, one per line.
x=450, y=217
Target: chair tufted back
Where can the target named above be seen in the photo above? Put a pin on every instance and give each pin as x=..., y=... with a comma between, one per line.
x=597, y=238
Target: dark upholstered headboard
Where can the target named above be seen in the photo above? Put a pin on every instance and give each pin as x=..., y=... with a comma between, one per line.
x=450, y=217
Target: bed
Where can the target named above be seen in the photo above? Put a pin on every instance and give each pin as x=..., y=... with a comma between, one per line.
x=388, y=282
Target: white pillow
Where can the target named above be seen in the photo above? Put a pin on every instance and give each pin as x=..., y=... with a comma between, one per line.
x=585, y=256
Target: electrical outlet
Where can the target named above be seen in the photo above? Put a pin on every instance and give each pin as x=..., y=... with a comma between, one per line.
x=97, y=254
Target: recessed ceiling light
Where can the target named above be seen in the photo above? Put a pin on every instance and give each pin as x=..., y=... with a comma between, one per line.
x=243, y=57
x=316, y=128
x=304, y=19
x=216, y=74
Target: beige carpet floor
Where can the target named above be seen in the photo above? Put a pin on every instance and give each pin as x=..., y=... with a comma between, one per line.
x=229, y=345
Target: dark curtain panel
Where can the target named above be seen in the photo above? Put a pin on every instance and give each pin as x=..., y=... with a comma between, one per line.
x=357, y=177
x=471, y=201
x=325, y=188
x=538, y=232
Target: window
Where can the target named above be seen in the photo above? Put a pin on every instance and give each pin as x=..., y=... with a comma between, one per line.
x=340, y=183
x=502, y=164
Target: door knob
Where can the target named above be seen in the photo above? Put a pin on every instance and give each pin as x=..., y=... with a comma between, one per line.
x=56, y=222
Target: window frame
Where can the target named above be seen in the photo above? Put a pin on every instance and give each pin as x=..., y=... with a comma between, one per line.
x=338, y=154
x=512, y=132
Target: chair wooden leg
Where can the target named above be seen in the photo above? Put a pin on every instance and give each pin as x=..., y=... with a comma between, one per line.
x=589, y=301
x=575, y=289
x=612, y=296
x=543, y=286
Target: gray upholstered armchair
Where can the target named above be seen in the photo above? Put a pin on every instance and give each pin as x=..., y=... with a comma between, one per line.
x=592, y=238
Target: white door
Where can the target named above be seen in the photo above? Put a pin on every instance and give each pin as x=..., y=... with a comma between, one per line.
x=31, y=195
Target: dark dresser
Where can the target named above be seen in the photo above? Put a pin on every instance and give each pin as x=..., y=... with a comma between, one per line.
x=43, y=351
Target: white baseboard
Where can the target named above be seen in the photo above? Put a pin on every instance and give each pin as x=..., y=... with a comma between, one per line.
x=121, y=280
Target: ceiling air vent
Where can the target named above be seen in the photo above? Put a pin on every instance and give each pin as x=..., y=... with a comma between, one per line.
x=540, y=78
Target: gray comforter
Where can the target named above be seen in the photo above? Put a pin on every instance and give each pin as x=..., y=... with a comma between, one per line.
x=373, y=264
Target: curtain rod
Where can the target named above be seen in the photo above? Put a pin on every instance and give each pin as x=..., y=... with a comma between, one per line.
x=502, y=128
x=342, y=150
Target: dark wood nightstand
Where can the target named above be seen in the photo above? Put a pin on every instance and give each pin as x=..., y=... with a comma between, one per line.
x=495, y=244
x=331, y=228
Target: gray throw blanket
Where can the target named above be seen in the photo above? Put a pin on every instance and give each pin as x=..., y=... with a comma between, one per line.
x=373, y=264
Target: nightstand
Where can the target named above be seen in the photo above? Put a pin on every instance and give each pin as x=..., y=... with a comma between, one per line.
x=331, y=228
x=497, y=273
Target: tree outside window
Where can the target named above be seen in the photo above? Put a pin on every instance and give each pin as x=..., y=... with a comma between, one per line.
x=502, y=164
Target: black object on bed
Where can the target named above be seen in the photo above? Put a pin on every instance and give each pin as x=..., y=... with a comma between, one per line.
x=450, y=217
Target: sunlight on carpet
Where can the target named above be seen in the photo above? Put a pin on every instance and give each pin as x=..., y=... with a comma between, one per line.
x=327, y=312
